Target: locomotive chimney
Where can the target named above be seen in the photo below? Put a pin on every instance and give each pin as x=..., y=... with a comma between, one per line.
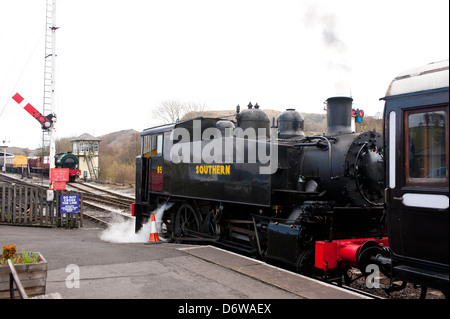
x=339, y=115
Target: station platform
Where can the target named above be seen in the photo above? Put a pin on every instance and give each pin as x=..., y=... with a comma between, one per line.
x=82, y=266
x=296, y=284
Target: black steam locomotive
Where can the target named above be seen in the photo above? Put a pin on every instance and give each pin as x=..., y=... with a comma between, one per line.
x=315, y=203
x=272, y=192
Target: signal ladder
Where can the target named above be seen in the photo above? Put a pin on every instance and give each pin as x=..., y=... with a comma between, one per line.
x=49, y=75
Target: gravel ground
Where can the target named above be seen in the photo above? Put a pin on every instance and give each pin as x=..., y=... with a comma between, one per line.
x=408, y=293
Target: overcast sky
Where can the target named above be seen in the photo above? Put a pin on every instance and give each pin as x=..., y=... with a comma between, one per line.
x=117, y=60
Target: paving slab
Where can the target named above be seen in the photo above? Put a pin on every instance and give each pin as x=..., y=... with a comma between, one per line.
x=299, y=285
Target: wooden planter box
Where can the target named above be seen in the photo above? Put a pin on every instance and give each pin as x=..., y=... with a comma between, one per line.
x=32, y=276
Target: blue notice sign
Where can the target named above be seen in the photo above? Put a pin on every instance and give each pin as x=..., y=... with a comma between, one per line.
x=70, y=204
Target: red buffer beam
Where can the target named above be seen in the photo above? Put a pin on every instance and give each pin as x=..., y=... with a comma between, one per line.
x=45, y=122
x=346, y=252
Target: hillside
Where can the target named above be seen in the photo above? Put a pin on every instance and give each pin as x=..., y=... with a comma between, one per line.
x=119, y=139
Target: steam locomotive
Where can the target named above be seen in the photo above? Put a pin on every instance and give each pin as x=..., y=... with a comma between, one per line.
x=322, y=187
x=41, y=165
x=314, y=203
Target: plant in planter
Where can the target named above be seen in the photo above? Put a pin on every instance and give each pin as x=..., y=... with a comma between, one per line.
x=31, y=268
x=9, y=251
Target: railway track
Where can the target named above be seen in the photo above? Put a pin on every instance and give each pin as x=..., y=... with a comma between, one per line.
x=102, y=196
x=105, y=206
x=100, y=205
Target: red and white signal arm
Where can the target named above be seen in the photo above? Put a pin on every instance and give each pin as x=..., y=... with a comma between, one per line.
x=45, y=122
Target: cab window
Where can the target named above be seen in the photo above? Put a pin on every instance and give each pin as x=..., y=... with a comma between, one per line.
x=146, y=145
x=152, y=145
x=156, y=145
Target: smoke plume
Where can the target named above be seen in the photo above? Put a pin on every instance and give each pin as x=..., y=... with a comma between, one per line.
x=334, y=46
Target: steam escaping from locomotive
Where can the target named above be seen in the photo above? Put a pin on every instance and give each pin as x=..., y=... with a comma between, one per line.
x=121, y=230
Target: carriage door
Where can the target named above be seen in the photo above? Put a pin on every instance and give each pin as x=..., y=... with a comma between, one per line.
x=156, y=163
x=417, y=181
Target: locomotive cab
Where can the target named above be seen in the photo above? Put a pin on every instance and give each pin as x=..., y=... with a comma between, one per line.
x=149, y=171
x=417, y=152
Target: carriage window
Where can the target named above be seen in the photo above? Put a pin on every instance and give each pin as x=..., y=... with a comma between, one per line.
x=427, y=146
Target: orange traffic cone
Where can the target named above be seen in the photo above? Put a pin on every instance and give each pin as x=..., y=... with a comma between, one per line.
x=154, y=238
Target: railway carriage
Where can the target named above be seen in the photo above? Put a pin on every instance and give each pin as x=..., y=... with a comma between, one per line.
x=16, y=164
x=417, y=152
x=39, y=164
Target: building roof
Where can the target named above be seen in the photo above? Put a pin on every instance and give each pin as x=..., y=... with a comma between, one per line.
x=86, y=137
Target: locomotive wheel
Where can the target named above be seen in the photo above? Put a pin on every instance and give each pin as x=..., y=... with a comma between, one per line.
x=186, y=219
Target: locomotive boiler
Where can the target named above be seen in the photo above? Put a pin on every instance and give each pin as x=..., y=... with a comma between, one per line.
x=267, y=190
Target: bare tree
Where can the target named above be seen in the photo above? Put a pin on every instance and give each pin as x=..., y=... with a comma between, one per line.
x=193, y=110
x=64, y=144
x=170, y=111
x=370, y=123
